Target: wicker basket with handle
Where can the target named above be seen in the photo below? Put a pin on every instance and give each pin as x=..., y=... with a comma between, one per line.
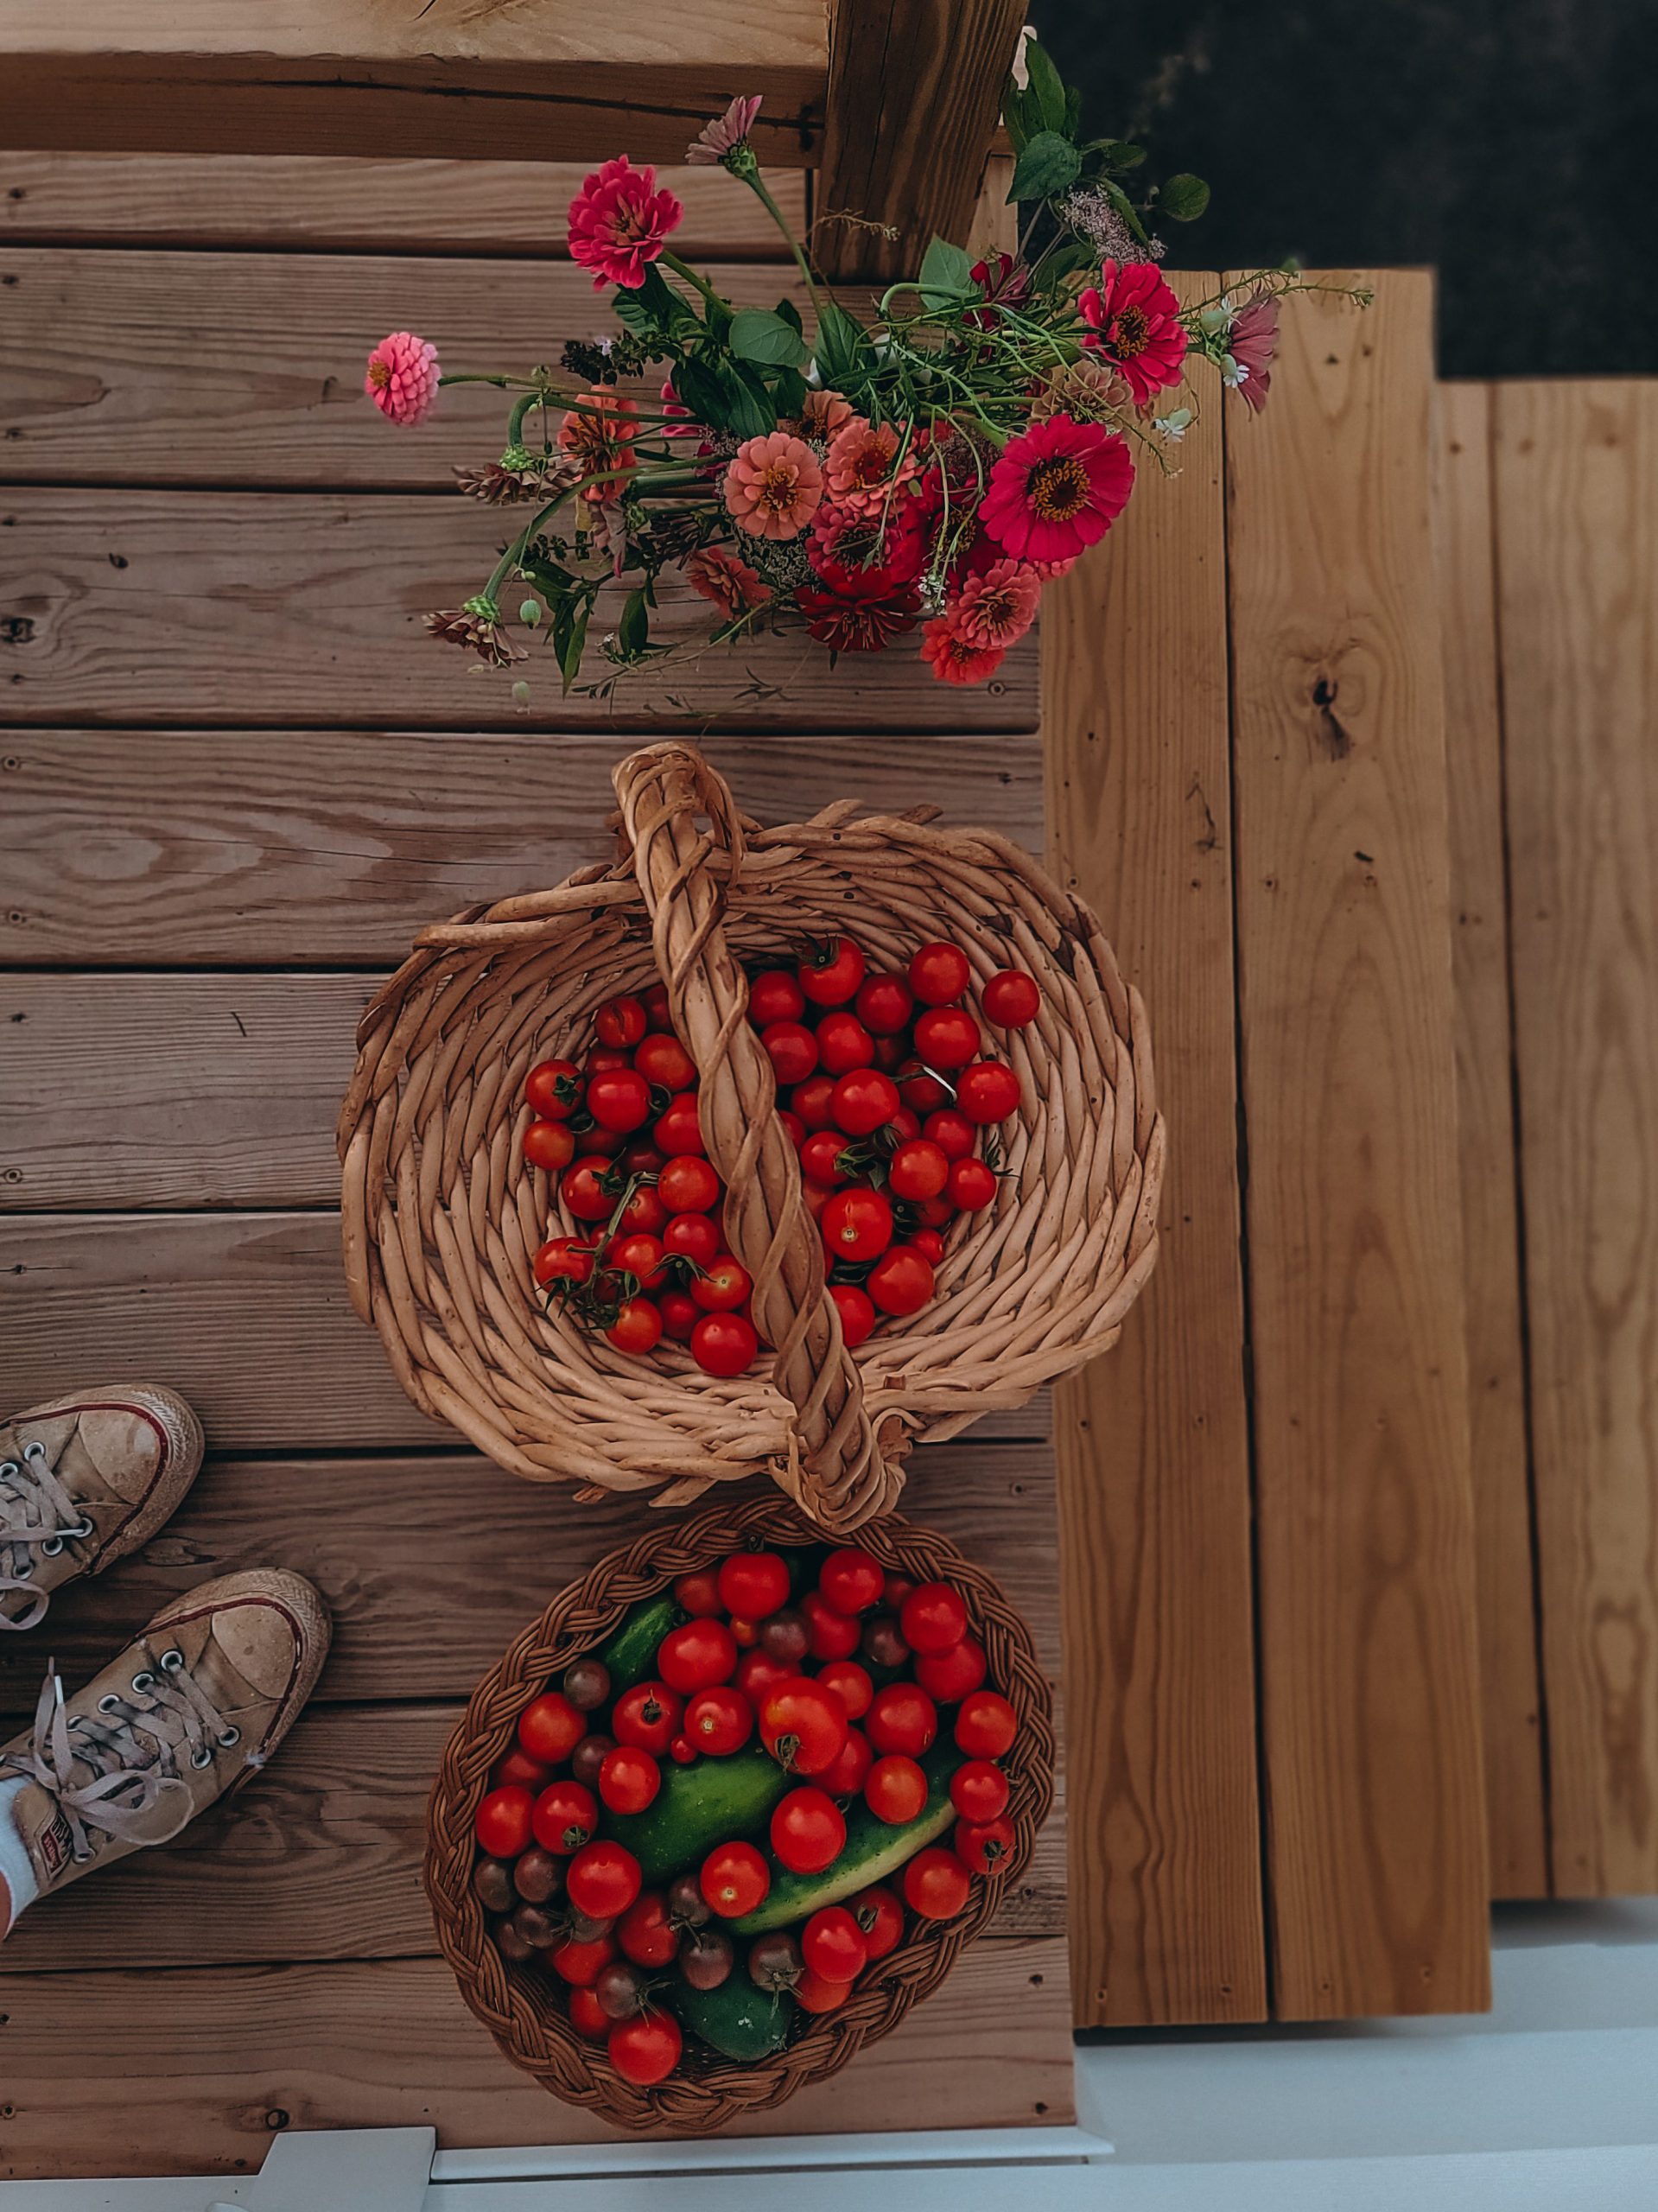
x=441, y=1216
x=522, y=2006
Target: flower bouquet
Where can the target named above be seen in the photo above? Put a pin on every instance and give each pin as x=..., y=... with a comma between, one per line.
x=912, y=480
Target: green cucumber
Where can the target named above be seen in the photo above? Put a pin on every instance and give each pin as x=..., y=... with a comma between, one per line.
x=630, y=1653
x=737, y=2020
x=873, y=1850
x=710, y=1802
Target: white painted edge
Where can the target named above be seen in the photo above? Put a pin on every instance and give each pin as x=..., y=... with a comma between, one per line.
x=959, y=2146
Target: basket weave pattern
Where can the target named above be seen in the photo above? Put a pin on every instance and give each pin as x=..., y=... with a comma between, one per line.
x=442, y=1217
x=520, y=2006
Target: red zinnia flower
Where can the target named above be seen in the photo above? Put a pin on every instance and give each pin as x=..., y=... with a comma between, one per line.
x=849, y=551
x=956, y=657
x=1005, y=282
x=619, y=222
x=1057, y=489
x=1137, y=318
x=864, y=619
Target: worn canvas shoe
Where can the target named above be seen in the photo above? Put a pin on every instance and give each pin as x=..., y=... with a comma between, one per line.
x=192, y=1707
x=83, y=1481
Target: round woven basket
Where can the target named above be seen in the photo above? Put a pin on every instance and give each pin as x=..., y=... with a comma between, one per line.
x=520, y=2005
x=442, y=1217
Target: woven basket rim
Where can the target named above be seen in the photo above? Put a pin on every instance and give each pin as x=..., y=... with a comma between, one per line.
x=517, y=2003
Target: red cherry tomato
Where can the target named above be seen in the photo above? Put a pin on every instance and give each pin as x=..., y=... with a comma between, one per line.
x=864, y=1101
x=921, y=1092
x=850, y=1683
x=647, y=1716
x=619, y=1099
x=518, y=1770
x=603, y=1879
x=655, y=1002
x=725, y=1344
x=552, y=1088
x=919, y=1169
x=645, y=2050
x=735, y=1879
x=692, y=1237
x=901, y=1281
x=681, y=1751
x=987, y=1091
x=664, y=1062
x=603, y=1145
x=584, y=1194
x=723, y=1288
x=644, y=1214
x=793, y=1050
x=939, y=974
x=985, y=1726
x=901, y=1718
x=678, y=1134
x=620, y=1023
x=718, y=1721
x=936, y=1884
x=949, y=1676
x=679, y=1315
x=581, y=1964
x=753, y=1584
x=894, y=1589
x=953, y=1134
x=699, y=1593
x=843, y=1043
x=857, y=1312
x=604, y=1057
x=637, y=1327
x=857, y=1224
x=884, y=1004
x=629, y=1779
x=834, y=1635
x=696, y=1657
x=930, y=1244
x=563, y=1259
x=891, y=1054
x=813, y=1994
x=881, y=1920
x=759, y=1674
x=746, y=1633
x=644, y=1932
x=895, y=1789
x=933, y=1618
x=549, y=1145
x=979, y=1790
x=501, y=1823
x=833, y=1944
x=982, y=1847
x=807, y=1831
x=972, y=1185
x=688, y=1184
x=833, y=973
x=1012, y=999
x=802, y=1726
x=640, y=1256
x=775, y=996
x=851, y=1581
x=822, y=1155
x=846, y=1777
x=794, y=1128
x=937, y=1213
x=588, y=2017
x=813, y=1101
x=947, y=1036
x=551, y=1727
x=566, y=1816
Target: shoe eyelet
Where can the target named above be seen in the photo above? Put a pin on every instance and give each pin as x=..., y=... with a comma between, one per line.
x=81, y=1858
x=34, y=1451
x=26, y=1570
x=229, y=1740
x=9, y=1467
x=170, y=1662
x=110, y=1703
x=79, y=1533
x=51, y=1546
x=144, y=1681
x=201, y=1758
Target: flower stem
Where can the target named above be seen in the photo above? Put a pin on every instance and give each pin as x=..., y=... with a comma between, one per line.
x=757, y=185
x=684, y=269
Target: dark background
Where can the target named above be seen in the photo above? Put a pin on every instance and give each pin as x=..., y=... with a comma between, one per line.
x=1513, y=147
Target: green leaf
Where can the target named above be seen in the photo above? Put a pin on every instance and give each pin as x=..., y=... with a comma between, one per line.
x=1184, y=197
x=788, y=390
x=1117, y=155
x=1125, y=207
x=841, y=343
x=1073, y=109
x=633, y=631
x=634, y=315
x=1063, y=261
x=1049, y=166
x=946, y=275
x=790, y=314
x=700, y=390
x=571, y=645
x=1047, y=87
x=750, y=412
x=757, y=334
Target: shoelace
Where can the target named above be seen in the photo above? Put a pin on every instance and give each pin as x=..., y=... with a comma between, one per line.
x=37, y=1515
x=129, y=1750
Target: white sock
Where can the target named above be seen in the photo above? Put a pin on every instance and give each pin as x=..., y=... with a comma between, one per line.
x=16, y=1864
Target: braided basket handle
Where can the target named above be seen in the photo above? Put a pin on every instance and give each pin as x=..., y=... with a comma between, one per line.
x=840, y=1472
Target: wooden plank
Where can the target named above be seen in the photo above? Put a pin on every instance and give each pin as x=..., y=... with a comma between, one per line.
x=1377, y=1851
x=1153, y=1441
x=331, y=848
x=341, y=203
x=430, y=1561
x=914, y=91
x=1577, y=467
x=210, y=368
x=1511, y=1703
x=211, y=2062
x=557, y=81
x=140, y=608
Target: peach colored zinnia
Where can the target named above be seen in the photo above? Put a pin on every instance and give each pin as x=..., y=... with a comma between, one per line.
x=999, y=605
x=864, y=472
x=955, y=656
x=601, y=443
x=824, y=413
x=774, y=485
x=402, y=377
x=729, y=583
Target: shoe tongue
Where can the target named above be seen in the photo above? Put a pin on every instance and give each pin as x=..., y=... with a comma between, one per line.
x=40, y=1823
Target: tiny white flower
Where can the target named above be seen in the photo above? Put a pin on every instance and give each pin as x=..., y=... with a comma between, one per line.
x=1174, y=425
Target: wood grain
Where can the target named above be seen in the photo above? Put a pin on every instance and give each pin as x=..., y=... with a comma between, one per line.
x=1153, y=1442
x=557, y=81
x=1576, y=468
x=914, y=91
x=206, y=608
x=1369, y=1665
x=328, y=847
x=1511, y=1703
x=342, y=203
x=206, y=368
x=211, y=2061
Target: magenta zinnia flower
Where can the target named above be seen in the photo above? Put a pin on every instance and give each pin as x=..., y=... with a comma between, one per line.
x=1137, y=322
x=1252, y=344
x=619, y=223
x=402, y=378
x=1057, y=489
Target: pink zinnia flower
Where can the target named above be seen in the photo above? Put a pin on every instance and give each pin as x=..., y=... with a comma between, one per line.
x=774, y=485
x=956, y=658
x=1057, y=489
x=1137, y=320
x=601, y=443
x=999, y=605
x=402, y=379
x=849, y=551
x=725, y=134
x=863, y=473
x=619, y=222
x=863, y=618
x=729, y=583
x=1252, y=344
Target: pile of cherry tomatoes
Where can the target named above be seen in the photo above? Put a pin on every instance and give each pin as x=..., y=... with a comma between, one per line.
x=886, y=1089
